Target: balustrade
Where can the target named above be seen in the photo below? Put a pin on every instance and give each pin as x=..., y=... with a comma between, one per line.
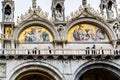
x=60, y=51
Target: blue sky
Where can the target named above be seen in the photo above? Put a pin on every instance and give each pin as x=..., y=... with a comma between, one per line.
x=21, y=6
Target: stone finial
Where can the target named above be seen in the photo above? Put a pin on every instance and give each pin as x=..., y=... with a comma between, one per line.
x=18, y=20
x=68, y=18
x=84, y=2
x=39, y=9
x=30, y=10
x=33, y=4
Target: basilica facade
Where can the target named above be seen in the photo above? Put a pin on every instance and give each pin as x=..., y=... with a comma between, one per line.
x=82, y=46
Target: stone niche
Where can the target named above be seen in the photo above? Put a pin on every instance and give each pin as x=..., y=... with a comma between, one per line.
x=2, y=70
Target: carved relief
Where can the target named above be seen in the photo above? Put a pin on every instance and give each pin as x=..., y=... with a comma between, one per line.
x=2, y=70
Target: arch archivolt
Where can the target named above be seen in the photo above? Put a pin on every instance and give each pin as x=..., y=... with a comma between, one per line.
x=106, y=28
x=8, y=4
x=49, y=27
x=58, y=3
x=107, y=65
x=37, y=66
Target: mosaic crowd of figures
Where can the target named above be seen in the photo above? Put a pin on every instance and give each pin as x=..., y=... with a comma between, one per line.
x=30, y=36
x=35, y=34
x=86, y=32
x=80, y=35
x=79, y=32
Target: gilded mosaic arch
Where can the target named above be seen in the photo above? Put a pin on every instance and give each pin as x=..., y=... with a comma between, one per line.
x=40, y=25
x=35, y=34
x=86, y=32
x=108, y=30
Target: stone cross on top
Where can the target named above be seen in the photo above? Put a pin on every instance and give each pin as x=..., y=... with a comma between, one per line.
x=33, y=4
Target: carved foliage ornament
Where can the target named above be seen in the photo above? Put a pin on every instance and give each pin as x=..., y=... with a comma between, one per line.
x=31, y=14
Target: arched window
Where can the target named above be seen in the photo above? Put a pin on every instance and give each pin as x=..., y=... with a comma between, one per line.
x=7, y=10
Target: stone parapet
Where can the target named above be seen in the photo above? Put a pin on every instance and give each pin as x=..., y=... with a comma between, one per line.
x=60, y=53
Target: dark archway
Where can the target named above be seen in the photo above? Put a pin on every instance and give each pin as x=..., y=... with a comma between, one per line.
x=35, y=70
x=99, y=74
x=98, y=70
x=34, y=75
x=7, y=10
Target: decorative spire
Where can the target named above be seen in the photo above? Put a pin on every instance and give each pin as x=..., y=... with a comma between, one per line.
x=84, y=2
x=33, y=4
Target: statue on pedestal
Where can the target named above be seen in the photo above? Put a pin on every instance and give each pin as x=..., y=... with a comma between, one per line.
x=84, y=2
x=58, y=15
x=60, y=31
x=34, y=4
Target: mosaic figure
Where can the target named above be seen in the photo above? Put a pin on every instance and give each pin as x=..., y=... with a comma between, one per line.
x=100, y=34
x=88, y=33
x=35, y=34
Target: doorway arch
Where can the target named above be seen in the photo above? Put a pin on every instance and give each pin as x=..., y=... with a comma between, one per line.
x=98, y=70
x=99, y=74
x=37, y=69
x=34, y=75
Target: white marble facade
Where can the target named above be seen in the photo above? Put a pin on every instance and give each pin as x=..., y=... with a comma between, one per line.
x=62, y=57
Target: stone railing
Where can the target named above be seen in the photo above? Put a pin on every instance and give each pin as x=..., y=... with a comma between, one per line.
x=60, y=51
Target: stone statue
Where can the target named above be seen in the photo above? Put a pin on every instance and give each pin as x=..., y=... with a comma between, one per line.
x=60, y=31
x=58, y=15
x=18, y=20
x=110, y=14
x=68, y=18
x=119, y=34
x=102, y=7
x=30, y=10
x=116, y=29
x=7, y=18
x=38, y=9
x=34, y=3
x=84, y=2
